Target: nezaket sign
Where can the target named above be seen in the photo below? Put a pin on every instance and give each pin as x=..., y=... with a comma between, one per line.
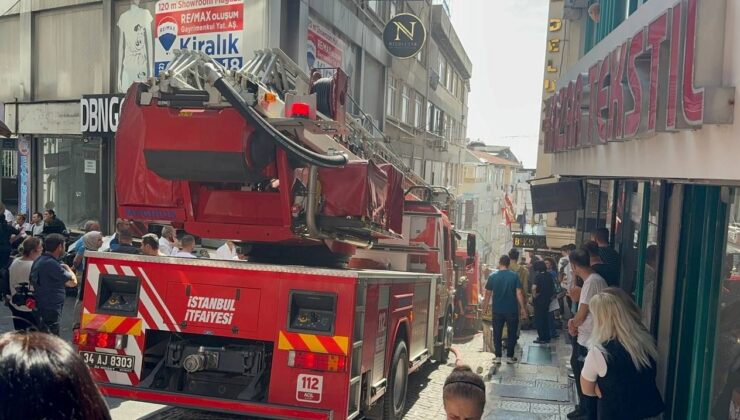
x=654, y=73
x=99, y=114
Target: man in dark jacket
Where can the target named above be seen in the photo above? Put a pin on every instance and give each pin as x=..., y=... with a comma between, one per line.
x=52, y=224
x=49, y=278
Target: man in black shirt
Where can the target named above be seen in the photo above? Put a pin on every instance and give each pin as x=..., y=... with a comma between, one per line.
x=52, y=224
x=598, y=265
x=608, y=255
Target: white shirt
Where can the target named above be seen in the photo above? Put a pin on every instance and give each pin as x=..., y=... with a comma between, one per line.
x=569, y=280
x=224, y=252
x=592, y=286
x=37, y=229
x=20, y=272
x=594, y=366
x=166, y=247
x=9, y=216
x=183, y=254
x=22, y=229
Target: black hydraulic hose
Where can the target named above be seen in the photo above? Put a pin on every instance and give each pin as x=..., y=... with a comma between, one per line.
x=256, y=120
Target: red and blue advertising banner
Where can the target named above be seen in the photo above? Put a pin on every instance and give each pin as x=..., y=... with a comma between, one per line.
x=214, y=27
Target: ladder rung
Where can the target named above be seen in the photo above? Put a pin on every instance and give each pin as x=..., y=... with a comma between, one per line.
x=354, y=380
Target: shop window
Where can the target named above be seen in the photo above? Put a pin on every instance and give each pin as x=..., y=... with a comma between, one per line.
x=71, y=179
x=726, y=388
x=629, y=234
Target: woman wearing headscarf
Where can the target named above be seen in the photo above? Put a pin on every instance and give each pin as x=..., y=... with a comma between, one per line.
x=92, y=241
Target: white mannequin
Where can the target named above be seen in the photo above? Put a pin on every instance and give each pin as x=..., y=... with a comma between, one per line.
x=134, y=46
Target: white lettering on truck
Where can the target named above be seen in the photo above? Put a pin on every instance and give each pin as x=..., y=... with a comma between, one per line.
x=210, y=310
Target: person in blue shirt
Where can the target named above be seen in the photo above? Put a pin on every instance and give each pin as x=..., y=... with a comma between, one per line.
x=504, y=291
x=50, y=278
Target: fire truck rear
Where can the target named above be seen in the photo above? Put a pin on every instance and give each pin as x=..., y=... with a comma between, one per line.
x=310, y=326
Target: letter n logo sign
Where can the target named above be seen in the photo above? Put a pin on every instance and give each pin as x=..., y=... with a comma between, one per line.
x=408, y=32
x=404, y=35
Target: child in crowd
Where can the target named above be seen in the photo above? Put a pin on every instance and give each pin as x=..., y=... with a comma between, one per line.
x=464, y=395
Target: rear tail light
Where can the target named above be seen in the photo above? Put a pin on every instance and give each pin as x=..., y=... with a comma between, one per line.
x=89, y=338
x=317, y=361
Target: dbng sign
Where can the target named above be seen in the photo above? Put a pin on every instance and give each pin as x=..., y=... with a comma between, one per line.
x=99, y=114
x=404, y=35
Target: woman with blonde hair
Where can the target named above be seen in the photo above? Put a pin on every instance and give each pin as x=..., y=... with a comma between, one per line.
x=620, y=366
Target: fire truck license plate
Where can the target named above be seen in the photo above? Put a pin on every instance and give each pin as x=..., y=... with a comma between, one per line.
x=108, y=361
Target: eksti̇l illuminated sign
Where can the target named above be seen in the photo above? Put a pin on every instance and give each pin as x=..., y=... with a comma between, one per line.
x=653, y=88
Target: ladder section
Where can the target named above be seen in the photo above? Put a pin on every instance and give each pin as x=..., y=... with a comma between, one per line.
x=355, y=382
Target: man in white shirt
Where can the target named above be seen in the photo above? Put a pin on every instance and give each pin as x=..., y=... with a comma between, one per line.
x=37, y=224
x=188, y=246
x=582, y=324
x=227, y=251
x=168, y=241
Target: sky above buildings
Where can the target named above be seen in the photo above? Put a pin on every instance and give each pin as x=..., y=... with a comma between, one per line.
x=505, y=40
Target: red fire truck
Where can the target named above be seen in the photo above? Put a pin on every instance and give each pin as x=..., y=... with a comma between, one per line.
x=313, y=325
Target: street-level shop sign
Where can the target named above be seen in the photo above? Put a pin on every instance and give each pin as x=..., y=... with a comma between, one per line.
x=99, y=114
x=404, y=35
x=529, y=241
x=642, y=87
x=214, y=27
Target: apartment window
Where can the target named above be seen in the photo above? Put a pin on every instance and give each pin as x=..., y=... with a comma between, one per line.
x=405, y=100
x=442, y=70
x=448, y=77
x=430, y=117
x=392, y=9
x=373, y=5
x=439, y=121
x=390, y=107
x=417, y=110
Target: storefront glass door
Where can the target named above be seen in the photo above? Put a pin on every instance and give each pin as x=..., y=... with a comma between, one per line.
x=71, y=177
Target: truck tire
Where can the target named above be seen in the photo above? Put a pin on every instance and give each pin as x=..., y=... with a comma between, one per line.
x=394, y=401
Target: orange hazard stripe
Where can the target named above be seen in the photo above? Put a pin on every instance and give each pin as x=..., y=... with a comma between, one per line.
x=111, y=324
x=313, y=343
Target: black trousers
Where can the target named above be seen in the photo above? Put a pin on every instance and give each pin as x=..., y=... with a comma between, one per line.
x=542, y=321
x=512, y=324
x=587, y=403
x=49, y=321
x=22, y=320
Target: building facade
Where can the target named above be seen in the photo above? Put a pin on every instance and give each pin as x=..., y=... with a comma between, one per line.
x=66, y=64
x=639, y=111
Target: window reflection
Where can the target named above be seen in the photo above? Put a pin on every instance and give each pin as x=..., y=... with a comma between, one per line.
x=726, y=390
x=652, y=254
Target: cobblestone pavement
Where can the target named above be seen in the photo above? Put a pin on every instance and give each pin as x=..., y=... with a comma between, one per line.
x=531, y=389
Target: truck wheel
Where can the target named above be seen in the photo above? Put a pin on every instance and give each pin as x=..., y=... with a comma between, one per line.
x=394, y=401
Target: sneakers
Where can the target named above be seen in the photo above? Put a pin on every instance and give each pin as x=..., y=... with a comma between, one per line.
x=542, y=341
x=511, y=360
x=496, y=361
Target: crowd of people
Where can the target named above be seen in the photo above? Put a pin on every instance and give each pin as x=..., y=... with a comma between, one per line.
x=613, y=354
